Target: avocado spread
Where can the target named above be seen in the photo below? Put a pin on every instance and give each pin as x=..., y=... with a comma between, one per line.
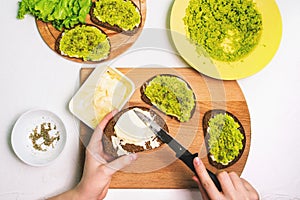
x=121, y=13
x=172, y=96
x=86, y=42
x=225, y=139
x=227, y=30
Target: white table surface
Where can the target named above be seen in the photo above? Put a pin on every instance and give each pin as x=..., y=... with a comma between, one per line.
x=32, y=75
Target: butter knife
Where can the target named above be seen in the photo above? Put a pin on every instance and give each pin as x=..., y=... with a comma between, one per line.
x=181, y=152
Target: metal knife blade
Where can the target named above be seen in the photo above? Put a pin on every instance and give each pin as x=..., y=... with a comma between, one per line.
x=162, y=134
x=181, y=152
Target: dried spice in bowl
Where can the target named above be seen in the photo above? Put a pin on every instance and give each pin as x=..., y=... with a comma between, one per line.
x=44, y=136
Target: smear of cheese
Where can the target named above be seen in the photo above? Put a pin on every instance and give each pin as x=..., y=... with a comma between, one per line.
x=130, y=129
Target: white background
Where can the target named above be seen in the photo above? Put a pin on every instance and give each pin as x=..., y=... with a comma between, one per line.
x=32, y=75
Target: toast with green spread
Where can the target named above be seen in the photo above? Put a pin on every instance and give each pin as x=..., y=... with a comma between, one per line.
x=118, y=15
x=86, y=42
x=170, y=94
x=225, y=138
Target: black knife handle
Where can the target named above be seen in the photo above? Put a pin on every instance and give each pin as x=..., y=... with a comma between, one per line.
x=188, y=159
x=214, y=179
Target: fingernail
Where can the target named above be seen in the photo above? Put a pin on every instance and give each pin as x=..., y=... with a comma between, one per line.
x=197, y=161
x=194, y=178
x=133, y=156
x=115, y=111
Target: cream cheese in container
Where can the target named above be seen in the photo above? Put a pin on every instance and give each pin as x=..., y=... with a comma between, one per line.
x=104, y=90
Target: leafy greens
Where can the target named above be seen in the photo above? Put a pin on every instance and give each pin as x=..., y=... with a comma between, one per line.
x=61, y=13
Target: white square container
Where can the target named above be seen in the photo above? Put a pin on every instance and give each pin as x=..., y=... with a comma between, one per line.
x=104, y=90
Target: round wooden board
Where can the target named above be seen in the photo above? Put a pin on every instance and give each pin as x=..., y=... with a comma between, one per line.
x=119, y=41
x=161, y=166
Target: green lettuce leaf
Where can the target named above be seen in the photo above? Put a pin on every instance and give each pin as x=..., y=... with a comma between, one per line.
x=61, y=13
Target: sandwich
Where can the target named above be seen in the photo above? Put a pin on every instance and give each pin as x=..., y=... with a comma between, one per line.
x=225, y=138
x=86, y=42
x=122, y=16
x=125, y=133
x=171, y=95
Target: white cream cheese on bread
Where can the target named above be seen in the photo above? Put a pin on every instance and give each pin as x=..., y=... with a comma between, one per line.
x=130, y=129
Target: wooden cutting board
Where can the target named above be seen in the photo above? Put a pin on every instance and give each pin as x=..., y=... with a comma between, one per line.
x=119, y=42
x=159, y=168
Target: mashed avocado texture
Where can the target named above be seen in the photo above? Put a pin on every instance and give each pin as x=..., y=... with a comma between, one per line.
x=86, y=42
x=226, y=29
x=225, y=139
x=172, y=96
x=121, y=13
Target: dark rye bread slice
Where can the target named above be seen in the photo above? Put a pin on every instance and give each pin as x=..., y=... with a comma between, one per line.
x=207, y=116
x=109, y=132
x=57, y=43
x=148, y=101
x=115, y=28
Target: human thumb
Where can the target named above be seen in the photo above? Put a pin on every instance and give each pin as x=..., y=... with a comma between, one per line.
x=120, y=163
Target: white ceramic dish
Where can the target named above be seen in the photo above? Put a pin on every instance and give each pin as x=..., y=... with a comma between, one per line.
x=87, y=105
x=23, y=145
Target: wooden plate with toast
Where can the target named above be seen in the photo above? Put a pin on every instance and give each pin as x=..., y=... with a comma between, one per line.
x=119, y=42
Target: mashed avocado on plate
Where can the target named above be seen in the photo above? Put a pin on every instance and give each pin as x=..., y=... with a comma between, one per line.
x=86, y=42
x=227, y=30
x=171, y=95
x=225, y=139
x=121, y=13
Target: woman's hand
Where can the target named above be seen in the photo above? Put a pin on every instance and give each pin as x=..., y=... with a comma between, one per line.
x=98, y=168
x=233, y=187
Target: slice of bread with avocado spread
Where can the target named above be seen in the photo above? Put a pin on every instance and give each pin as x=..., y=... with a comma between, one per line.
x=171, y=95
x=225, y=138
x=86, y=42
x=118, y=15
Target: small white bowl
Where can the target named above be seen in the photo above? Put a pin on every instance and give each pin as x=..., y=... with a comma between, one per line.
x=22, y=144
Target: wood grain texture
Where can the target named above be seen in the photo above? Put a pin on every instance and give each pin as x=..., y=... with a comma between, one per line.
x=119, y=42
x=160, y=168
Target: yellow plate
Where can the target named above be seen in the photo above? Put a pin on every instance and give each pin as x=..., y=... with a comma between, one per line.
x=247, y=66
